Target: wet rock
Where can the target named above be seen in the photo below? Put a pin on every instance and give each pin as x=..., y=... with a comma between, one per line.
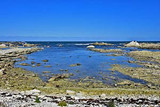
x=24, y=64
x=46, y=72
x=58, y=77
x=106, y=50
x=32, y=62
x=101, y=44
x=45, y=60
x=23, y=58
x=29, y=45
x=72, y=65
x=38, y=64
x=47, y=66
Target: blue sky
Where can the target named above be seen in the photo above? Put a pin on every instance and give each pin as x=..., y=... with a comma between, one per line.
x=79, y=20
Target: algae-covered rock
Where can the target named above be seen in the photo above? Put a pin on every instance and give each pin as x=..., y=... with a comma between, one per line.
x=73, y=65
x=24, y=64
x=48, y=66
x=101, y=43
x=106, y=50
x=46, y=72
x=45, y=60
x=32, y=62
x=38, y=64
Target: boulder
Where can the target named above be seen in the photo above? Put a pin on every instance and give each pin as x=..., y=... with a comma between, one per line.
x=32, y=62
x=3, y=46
x=38, y=64
x=45, y=60
x=24, y=64
x=58, y=77
x=72, y=65
x=2, y=71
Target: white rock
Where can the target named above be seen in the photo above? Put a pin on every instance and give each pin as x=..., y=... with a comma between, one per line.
x=1, y=72
x=103, y=95
x=70, y=92
x=90, y=46
x=133, y=44
x=33, y=92
x=3, y=45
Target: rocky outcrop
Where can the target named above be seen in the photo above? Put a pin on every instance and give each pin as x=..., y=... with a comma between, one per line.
x=58, y=77
x=106, y=50
x=73, y=65
x=45, y=60
x=8, y=57
x=29, y=45
x=143, y=45
x=132, y=44
x=3, y=46
x=149, y=46
x=101, y=44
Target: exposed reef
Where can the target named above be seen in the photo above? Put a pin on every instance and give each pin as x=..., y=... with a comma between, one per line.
x=101, y=44
x=106, y=50
x=143, y=45
x=145, y=56
x=28, y=89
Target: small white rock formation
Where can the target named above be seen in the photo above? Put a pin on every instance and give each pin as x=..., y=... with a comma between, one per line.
x=90, y=46
x=2, y=71
x=3, y=46
x=133, y=44
x=70, y=92
x=33, y=92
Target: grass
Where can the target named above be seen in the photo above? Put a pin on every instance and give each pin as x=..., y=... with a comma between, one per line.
x=37, y=100
x=62, y=103
x=111, y=104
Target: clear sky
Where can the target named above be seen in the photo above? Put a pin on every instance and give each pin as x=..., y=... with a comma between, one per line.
x=80, y=20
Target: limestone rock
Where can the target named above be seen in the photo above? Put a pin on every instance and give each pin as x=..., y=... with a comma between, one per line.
x=133, y=44
x=90, y=46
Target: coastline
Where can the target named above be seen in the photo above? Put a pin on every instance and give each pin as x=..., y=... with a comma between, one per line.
x=150, y=96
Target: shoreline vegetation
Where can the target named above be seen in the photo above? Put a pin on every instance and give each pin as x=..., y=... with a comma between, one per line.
x=20, y=82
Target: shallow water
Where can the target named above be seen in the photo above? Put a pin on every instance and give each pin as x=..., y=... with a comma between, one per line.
x=93, y=64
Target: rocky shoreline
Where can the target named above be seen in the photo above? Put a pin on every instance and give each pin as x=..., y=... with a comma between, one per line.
x=26, y=89
x=8, y=57
x=28, y=99
x=143, y=45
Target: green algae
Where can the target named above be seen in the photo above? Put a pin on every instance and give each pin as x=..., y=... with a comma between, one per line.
x=150, y=75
